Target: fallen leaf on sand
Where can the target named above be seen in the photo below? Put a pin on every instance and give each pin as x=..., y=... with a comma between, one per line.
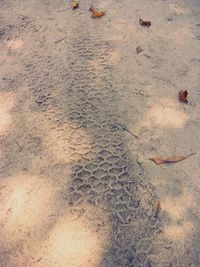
x=173, y=159
x=182, y=95
x=74, y=4
x=145, y=23
x=95, y=13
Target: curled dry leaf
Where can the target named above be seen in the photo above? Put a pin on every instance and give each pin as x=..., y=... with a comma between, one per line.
x=96, y=13
x=173, y=159
x=74, y=5
x=145, y=23
x=182, y=95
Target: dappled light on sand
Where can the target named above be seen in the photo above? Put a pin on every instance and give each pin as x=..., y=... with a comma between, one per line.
x=166, y=114
x=7, y=101
x=15, y=44
x=75, y=241
x=178, y=231
x=59, y=146
x=25, y=203
x=98, y=64
x=180, y=226
x=175, y=8
x=176, y=207
x=67, y=143
x=38, y=229
x=180, y=35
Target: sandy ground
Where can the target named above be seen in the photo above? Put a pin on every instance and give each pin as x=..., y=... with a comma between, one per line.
x=76, y=188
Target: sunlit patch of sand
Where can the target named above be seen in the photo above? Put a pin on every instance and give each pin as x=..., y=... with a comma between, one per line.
x=7, y=101
x=73, y=244
x=122, y=27
x=63, y=141
x=176, y=207
x=15, y=44
x=62, y=148
x=103, y=5
x=78, y=239
x=35, y=237
x=25, y=203
x=120, y=30
x=175, y=8
x=68, y=143
x=98, y=63
x=180, y=225
x=115, y=57
x=178, y=231
x=117, y=37
x=2, y=58
x=180, y=35
x=166, y=114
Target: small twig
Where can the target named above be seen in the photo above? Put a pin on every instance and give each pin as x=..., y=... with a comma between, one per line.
x=119, y=126
x=134, y=135
x=157, y=209
x=60, y=40
x=63, y=9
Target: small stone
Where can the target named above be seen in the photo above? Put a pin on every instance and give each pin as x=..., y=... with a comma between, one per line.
x=139, y=49
x=169, y=18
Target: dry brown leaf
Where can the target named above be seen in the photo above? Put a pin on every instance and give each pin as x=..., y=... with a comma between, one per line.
x=74, y=4
x=173, y=159
x=145, y=23
x=95, y=13
x=183, y=96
